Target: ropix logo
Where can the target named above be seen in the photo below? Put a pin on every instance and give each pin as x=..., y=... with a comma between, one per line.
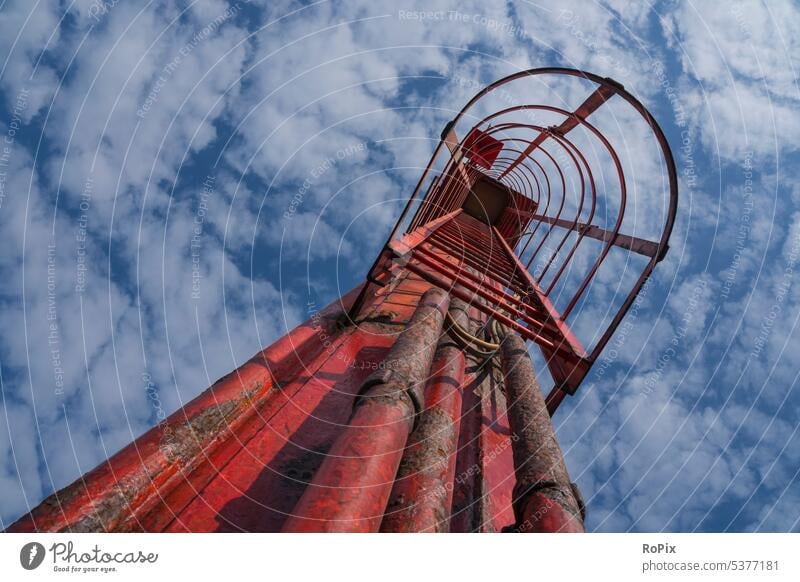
x=31, y=555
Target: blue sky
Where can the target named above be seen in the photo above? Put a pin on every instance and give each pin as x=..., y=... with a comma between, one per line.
x=179, y=179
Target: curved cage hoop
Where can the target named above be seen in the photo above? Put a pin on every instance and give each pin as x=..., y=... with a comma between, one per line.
x=555, y=212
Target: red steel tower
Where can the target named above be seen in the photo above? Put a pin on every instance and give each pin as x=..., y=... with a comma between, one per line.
x=412, y=403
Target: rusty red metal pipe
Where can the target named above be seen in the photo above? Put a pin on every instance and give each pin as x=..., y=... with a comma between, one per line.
x=422, y=497
x=544, y=498
x=351, y=488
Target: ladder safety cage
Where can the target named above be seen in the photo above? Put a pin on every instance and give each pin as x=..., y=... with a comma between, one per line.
x=501, y=225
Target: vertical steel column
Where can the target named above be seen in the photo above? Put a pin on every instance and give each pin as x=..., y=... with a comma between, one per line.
x=350, y=489
x=544, y=498
x=422, y=496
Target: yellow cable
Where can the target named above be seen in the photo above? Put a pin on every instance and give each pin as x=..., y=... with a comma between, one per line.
x=470, y=339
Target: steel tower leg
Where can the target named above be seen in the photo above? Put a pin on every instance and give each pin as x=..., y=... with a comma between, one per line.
x=544, y=498
x=422, y=496
x=351, y=488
